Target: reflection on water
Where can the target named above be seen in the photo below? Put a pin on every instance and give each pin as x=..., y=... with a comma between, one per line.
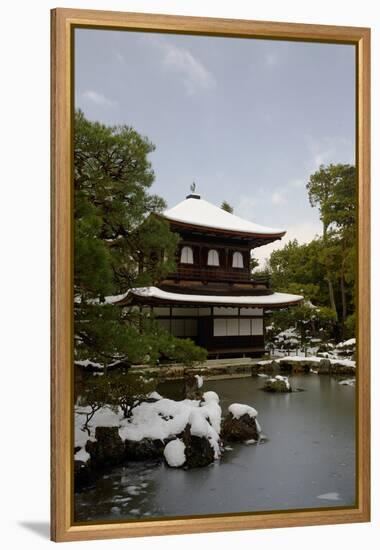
x=308, y=460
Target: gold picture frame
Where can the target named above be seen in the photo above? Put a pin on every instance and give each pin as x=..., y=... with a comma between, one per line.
x=63, y=23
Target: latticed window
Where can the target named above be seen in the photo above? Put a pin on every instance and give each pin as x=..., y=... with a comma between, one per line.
x=187, y=255
x=213, y=257
x=237, y=259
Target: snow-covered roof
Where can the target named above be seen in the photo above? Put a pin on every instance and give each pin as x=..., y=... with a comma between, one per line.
x=196, y=211
x=271, y=300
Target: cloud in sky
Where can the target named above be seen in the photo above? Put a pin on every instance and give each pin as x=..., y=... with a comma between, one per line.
x=119, y=57
x=250, y=120
x=246, y=207
x=191, y=71
x=303, y=232
x=270, y=59
x=278, y=198
x=97, y=98
x=327, y=150
x=297, y=183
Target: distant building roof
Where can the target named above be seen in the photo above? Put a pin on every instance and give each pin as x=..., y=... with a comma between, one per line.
x=196, y=211
x=276, y=299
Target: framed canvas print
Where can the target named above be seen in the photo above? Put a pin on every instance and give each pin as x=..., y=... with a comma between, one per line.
x=210, y=274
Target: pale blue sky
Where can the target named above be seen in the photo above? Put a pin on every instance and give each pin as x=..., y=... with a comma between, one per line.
x=248, y=120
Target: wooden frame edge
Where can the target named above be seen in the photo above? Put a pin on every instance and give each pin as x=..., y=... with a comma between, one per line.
x=364, y=278
x=61, y=295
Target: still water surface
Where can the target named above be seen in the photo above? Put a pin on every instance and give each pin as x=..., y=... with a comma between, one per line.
x=308, y=460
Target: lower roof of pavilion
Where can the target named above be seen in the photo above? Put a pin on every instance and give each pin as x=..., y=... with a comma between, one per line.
x=154, y=296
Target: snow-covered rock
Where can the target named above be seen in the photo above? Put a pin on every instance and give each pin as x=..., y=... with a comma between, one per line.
x=155, y=395
x=152, y=425
x=174, y=453
x=348, y=382
x=238, y=410
x=193, y=383
x=240, y=424
x=323, y=365
x=145, y=449
x=278, y=384
x=202, y=444
x=82, y=455
x=351, y=343
x=108, y=447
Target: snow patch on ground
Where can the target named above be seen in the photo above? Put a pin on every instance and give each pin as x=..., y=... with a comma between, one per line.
x=315, y=359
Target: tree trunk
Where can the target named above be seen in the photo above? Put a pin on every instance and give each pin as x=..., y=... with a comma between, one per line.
x=332, y=298
x=329, y=282
x=344, y=302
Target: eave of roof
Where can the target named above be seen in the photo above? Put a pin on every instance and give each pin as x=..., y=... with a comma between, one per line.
x=152, y=295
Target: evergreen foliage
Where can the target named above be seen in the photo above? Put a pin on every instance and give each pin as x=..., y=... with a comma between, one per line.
x=323, y=270
x=227, y=207
x=120, y=242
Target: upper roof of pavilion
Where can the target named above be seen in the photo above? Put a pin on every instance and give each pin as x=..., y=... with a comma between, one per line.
x=199, y=214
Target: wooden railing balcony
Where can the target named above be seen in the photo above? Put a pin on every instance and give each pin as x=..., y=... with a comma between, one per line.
x=218, y=274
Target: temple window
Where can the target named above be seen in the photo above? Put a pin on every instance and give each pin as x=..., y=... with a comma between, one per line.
x=237, y=260
x=187, y=255
x=213, y=258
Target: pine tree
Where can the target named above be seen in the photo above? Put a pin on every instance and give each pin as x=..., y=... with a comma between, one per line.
x=120, y=242
x=227, y=207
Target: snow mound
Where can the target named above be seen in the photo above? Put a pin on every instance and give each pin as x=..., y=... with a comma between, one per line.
x=161, y=419
x=174, y=453
x=210, y=397
x=82, y=455
x=347, y=382
x=237, y=410
x=348, y=343
x=199, y=380
x=166, y=418
x=284, y=379
x=155, y=395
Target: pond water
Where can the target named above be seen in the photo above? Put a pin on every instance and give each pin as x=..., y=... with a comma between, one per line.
x=308, y=460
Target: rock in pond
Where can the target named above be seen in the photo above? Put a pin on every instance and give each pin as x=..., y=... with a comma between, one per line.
x=277, y=384
x=145, y=449
x=83, y=474
x=324, y=366
x=189, y=451
x=192, y=384
x=240, y=424
x=108, y=449
x=198, y=450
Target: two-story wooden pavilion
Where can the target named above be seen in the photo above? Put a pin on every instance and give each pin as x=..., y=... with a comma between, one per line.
x=212, y=297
